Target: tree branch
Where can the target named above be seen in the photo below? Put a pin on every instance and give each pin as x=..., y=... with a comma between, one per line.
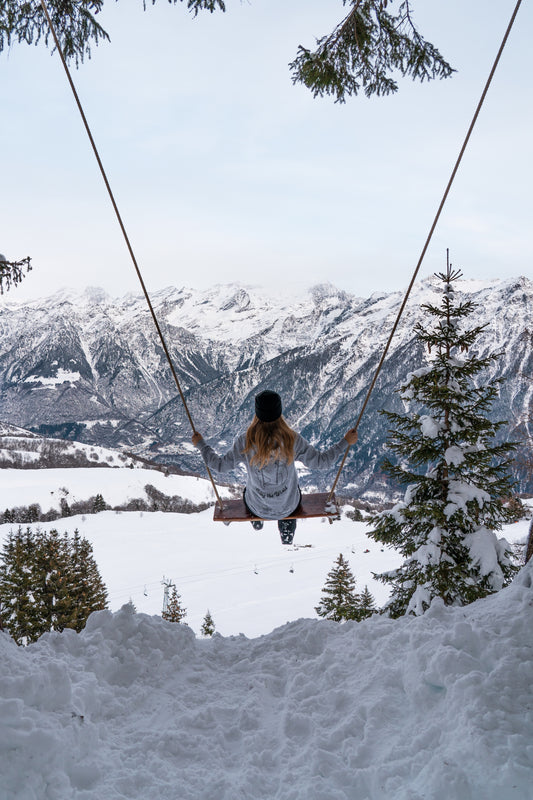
x=12, y=272
x=364, y=51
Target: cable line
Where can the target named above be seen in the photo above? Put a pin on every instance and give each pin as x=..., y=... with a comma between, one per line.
x=429, y=237
x=125, y=235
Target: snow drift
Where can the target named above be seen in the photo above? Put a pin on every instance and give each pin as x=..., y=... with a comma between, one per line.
x=431, y=708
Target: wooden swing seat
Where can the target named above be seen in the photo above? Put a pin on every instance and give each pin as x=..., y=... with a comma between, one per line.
x=311, y=506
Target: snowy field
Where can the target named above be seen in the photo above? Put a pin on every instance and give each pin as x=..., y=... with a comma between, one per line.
x=434, y=708
x=47, y=486
x=247, y=579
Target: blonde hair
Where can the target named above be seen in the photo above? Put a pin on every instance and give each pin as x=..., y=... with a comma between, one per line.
x=270, y=441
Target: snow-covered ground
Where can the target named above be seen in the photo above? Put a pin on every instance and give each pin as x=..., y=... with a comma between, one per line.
x=249, y=582
x=247, y=579
x=434, y=708
x=47, y=486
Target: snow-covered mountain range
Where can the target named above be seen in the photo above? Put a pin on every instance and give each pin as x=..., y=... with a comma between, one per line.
x=89, y=367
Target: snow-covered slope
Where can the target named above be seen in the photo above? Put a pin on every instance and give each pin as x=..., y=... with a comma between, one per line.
x=232, y=570
x=430, y=708
x=46, y=487
x=248, y=580
x=89, y=367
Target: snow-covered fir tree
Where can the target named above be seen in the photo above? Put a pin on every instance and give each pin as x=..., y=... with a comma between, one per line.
x=339, y=601
x=366, y=605
x=457, y=475
x=51, y=589
x=86, y=587
x=65, y=508
x=48, y=582
x=174, y=612
x=99, y=504
x=19, y=613
x=208, y=625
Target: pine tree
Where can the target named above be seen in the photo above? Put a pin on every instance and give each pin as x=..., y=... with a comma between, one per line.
x=65, y=508
x=516, y=508
x=340, y=601
x=99, y=504
x=456, y=474
x=17, y=587
x=48, y=582
x=51, y=595
x=87, y=589
x=174, y=611
x=366, y=606
x=9, y=515
x=366, y=51
x=208, y=626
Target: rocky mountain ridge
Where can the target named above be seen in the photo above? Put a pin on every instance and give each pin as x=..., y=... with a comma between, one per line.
x=89, y=367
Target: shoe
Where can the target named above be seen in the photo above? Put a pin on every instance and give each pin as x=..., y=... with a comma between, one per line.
x=257, y=525
x=286, y=528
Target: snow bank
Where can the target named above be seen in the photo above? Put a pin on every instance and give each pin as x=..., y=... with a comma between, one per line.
x=430, y=708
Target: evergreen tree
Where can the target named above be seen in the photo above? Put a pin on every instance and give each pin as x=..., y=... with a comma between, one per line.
x=99, y=504
x=65, y=508
x=208, y=626
x=17, y=586
x=366, y=606
x=370, y=46
x=87, y=589
x=366, y=51
x=48, y=582
x=456, y=474
x=34, y=512
x=174, y=611
x=516, y=508
x=51, y=593
x=340, y=602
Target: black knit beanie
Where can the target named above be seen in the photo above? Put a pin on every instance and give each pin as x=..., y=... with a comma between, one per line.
x=268, y=406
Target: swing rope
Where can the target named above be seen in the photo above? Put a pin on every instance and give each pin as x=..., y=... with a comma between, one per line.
x=125, y=235
x=429, y=237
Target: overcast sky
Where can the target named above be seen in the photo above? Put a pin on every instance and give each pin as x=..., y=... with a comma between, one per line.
x=224, y=171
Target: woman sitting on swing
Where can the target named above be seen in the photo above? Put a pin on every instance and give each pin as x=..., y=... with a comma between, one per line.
x=269, y=449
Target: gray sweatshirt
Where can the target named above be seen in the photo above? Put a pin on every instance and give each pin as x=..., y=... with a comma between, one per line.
x=272, y=491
